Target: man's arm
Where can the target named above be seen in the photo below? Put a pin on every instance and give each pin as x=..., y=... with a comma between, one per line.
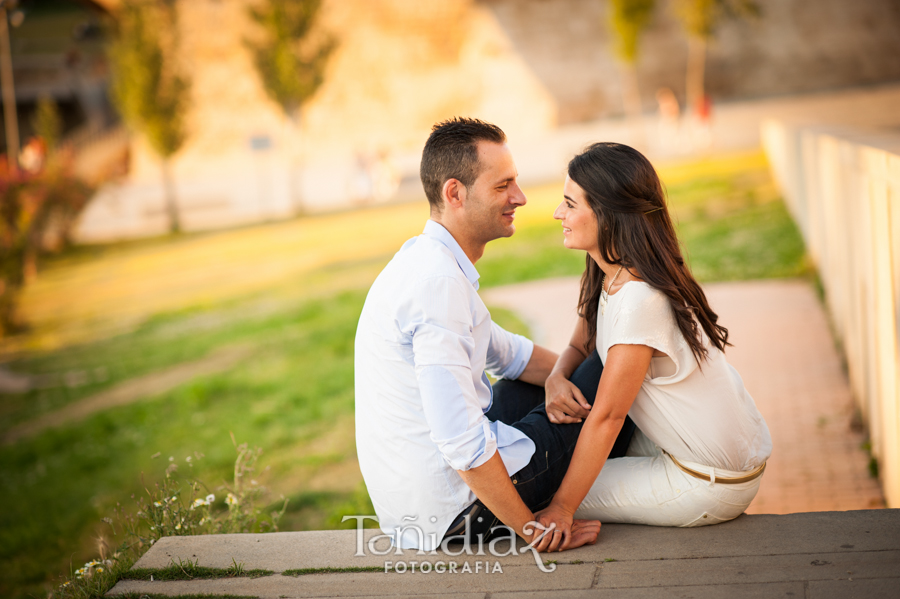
x=539, y=366
x=491, y=484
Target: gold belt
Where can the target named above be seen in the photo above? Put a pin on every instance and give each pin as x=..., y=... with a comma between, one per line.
x=720, y=479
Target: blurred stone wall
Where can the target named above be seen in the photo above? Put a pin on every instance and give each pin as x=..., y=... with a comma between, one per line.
x=400, y=65
x=529, y=65
x=842, y=185
x=795, y=46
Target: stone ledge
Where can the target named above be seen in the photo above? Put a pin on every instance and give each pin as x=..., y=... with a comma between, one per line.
x=823, y=554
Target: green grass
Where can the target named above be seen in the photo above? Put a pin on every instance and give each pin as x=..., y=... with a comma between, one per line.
x=305, y=571
x=291, y=292
x=192, y=571
x=137, y=595
x=60, y=483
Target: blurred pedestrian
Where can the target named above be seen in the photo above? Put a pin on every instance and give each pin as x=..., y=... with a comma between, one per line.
x=33, y=155
x=669, y=120
x=701, y=130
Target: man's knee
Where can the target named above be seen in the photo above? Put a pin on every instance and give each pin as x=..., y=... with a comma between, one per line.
x=517, y=391
x=512, y=400
x=587, y=376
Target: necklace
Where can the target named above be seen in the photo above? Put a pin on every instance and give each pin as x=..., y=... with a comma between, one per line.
x=604, y=293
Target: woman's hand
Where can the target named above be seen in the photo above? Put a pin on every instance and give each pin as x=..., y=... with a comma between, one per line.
x=565, y=402
x=564, y=532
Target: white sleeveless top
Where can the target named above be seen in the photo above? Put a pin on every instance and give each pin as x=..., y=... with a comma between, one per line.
x=698, y=415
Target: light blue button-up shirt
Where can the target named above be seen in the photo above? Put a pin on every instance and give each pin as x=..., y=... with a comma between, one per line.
x=423, y=344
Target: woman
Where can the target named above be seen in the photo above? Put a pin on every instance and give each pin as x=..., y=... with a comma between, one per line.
x=701, y=444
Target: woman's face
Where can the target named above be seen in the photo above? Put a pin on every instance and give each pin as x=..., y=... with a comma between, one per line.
x=578, y=220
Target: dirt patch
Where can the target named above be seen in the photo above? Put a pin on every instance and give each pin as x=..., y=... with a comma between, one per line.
x=155, y=383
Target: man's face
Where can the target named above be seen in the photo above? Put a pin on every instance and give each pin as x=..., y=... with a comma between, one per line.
x=492, y=200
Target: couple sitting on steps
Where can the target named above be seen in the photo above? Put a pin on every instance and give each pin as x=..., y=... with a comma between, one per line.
x=640, y=419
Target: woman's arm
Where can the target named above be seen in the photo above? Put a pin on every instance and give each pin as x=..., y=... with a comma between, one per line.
x=565, y=402
x=622, y=377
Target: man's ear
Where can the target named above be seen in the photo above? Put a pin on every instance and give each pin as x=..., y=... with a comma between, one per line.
x=453, y=193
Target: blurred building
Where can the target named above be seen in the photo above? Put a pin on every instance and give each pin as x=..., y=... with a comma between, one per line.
x=531, y=66
x=58, y=53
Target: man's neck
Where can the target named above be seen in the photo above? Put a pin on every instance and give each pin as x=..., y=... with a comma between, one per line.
x=473, y=249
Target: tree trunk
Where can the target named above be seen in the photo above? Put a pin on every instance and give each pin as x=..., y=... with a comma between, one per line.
x=10, y=118
x=695, y=72
x=11, y=283
x=295, y=181
x=171, y=203
x=631, y=97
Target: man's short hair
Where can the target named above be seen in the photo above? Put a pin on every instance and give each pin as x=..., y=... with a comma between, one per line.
x=451, y=152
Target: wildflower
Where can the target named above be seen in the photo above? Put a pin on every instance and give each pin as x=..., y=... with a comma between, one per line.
x=203, y=520
x=188, y=459
x=231, y=499
x=157, y=504
x=201, y=502
x=99, y=568
x=178, y=526
x=171, y=459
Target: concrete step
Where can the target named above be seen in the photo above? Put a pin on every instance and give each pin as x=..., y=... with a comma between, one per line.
x=813, y=555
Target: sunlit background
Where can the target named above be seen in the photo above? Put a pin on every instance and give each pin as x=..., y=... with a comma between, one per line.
x=198, y=193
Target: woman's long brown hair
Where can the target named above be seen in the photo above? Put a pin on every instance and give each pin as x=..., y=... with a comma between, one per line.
x=636, y=232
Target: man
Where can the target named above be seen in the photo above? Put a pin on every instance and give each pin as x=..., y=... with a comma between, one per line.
x=441, y=452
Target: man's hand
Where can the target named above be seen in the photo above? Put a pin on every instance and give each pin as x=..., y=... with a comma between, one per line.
x=563, y=532
x=565, y=402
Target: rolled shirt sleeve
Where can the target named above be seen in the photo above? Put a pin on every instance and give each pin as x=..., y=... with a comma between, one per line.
x=508, y=354
x=443, y=348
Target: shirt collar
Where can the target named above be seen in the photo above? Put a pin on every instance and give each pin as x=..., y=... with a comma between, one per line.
x=437, y=231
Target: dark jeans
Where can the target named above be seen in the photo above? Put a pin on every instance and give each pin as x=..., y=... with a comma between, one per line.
x=521, y=405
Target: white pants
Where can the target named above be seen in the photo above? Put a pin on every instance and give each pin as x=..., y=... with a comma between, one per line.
x=646, y=487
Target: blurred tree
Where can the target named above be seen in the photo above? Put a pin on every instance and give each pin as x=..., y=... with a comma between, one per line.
x=47, y=122
x=629, y=18
x=700, y=18
x=289, y=58
x=290, y=55
x=147, y=88
x=32, y=207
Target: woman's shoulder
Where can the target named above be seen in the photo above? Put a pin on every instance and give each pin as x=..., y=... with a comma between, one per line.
x=640, y=294
x=642, y=305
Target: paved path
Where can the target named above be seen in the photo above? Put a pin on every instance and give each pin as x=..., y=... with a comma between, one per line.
x=784, y=352
x=817, y=556
x=130, y=391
